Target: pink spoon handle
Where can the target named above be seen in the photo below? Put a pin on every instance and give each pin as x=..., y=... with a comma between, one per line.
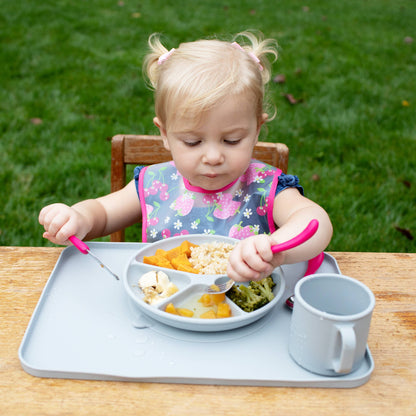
x=306, y=234
x=80, y=245
x=314, y=264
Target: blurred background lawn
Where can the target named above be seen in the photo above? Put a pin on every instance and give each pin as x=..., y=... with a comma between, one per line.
x=71, y=78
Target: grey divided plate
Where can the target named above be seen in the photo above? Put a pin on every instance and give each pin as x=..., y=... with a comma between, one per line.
x=190, y=286
x=84, y=327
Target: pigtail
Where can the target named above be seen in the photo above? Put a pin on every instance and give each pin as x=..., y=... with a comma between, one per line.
x=262, y=49
x=151, y=69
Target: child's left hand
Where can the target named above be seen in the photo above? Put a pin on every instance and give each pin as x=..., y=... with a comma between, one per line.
x=253, y=259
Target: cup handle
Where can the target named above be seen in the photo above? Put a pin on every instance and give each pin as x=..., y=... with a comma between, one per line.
x=344, y=363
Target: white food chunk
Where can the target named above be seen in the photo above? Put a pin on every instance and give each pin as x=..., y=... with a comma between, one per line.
x=156, y=286
x=170, y=289
x=156, y=279
x=162, y=281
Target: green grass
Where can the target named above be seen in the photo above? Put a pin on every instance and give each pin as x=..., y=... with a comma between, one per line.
x=76, y=66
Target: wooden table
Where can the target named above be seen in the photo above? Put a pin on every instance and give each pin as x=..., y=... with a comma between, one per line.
x=391, y=389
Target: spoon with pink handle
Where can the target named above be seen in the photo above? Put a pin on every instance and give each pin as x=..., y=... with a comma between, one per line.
x=303, y=236
x=313, y=265
x=84, y=249
x=223, y=284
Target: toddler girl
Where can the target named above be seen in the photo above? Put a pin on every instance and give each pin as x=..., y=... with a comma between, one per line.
x=209, y=105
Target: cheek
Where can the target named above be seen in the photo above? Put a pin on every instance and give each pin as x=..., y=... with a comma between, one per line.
x=241, y=160
x=183, y=160
x=244, y=154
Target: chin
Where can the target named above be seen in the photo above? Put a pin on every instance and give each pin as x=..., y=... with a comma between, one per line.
x=209, y=184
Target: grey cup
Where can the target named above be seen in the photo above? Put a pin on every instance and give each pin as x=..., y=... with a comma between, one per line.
x=330, y=323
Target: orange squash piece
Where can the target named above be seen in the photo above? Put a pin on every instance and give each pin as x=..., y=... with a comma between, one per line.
x=210, y=299
x=186, y=247
x=215, y=288
x=208, y=315
x=205, y=299
x=175, y=258
x=182, y=263
x=173, y=252
x=170, y=308
x=162, y=253
x=185, y=312
x=180, y=259
x=157, y=261
x=223, y=310
x=185, y=268
x=217, y=297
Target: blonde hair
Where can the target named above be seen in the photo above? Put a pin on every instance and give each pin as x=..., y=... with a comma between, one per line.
x=197, y=75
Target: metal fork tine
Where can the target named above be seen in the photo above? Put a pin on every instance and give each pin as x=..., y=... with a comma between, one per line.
x=221, y=288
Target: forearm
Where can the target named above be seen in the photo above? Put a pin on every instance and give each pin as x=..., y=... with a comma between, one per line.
x=296, y=223
x=91, y=218
x=94, y=218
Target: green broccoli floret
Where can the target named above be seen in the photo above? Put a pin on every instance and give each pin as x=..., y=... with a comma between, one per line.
x=254, y=296
x=264, y=287
x=244, y=298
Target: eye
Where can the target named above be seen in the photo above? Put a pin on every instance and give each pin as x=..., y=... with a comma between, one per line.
x=232, y=142
x=191, y=143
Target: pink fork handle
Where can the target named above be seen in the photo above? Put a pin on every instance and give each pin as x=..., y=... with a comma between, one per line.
x=306, y=234
x=80, y=245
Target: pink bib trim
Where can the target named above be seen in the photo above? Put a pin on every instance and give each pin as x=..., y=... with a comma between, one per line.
x=192, y=188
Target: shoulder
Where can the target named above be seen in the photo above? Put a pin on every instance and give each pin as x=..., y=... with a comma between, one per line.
x=137, y=171
x=155, y=167
x=288, y=181
x=259, y=168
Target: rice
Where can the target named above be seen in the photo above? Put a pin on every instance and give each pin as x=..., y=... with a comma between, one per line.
x=211, y=258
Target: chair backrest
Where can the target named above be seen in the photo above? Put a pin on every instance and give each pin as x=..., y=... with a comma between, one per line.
x=128, y=149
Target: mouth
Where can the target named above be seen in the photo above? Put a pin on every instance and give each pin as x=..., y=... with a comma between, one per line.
x=211, y=175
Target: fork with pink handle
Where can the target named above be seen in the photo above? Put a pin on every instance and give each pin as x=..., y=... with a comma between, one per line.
x=84, y=249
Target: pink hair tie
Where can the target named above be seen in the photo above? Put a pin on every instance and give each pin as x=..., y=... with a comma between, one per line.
x=251, y=54
x=165, y=56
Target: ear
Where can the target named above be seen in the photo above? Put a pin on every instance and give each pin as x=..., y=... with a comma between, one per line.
x=264, y=118
x=162, y=131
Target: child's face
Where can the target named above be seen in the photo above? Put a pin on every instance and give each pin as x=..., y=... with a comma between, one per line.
x=217, y=150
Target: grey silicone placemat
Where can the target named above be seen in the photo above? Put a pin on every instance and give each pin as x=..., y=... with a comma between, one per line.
x=83, y=327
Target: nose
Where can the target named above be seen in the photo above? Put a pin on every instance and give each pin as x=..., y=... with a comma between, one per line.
x=213, y=155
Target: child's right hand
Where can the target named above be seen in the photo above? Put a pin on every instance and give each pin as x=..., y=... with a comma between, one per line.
x=252, y=259
x=61, y=222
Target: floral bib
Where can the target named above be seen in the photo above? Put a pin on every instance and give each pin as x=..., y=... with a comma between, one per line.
x=171, y=206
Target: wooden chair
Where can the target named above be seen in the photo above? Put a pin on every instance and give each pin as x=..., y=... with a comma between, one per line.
x=127, y=149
